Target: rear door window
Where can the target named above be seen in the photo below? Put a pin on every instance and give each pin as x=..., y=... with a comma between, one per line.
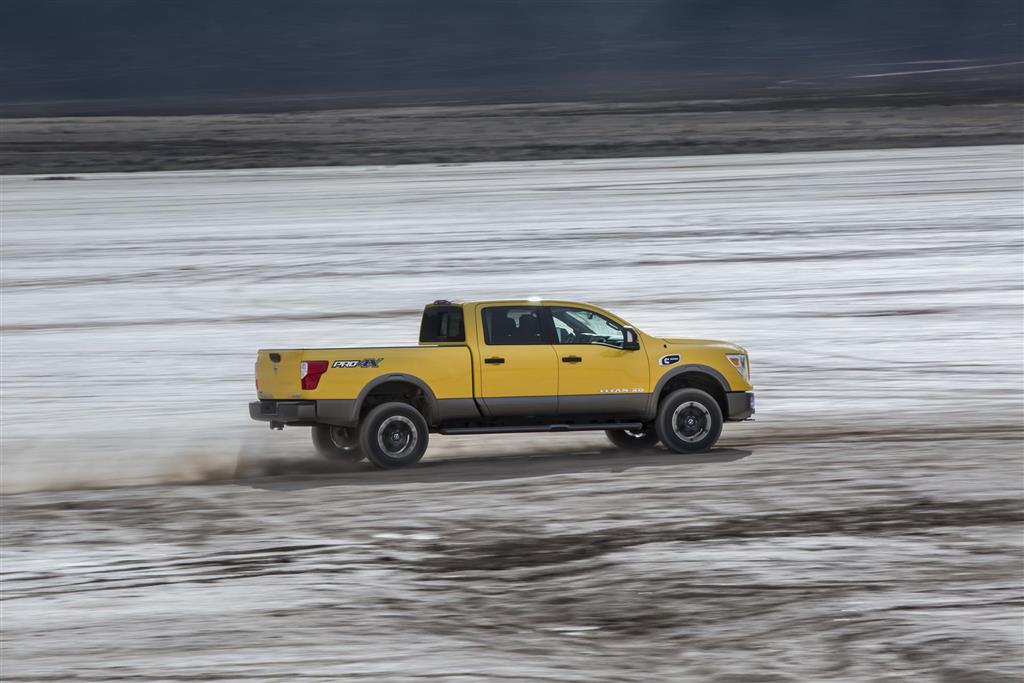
x=513, y=325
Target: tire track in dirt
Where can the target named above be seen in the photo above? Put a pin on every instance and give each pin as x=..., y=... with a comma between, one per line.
x=526, y=551
x=917, y=516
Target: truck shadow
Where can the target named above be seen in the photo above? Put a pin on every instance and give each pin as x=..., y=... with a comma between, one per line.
x=280, y=474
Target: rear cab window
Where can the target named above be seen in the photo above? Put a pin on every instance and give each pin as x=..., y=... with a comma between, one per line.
x=442, y=324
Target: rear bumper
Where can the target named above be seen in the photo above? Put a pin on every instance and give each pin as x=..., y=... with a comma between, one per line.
x=741, y=405
x=300, y=413
x=285, y=412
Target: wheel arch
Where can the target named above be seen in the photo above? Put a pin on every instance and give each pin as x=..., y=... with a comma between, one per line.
x=397, y=386
x=694, y=376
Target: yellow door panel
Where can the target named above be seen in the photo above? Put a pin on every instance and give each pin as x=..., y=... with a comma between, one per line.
x=593, y=369
x=594, y=376
x=518, y=371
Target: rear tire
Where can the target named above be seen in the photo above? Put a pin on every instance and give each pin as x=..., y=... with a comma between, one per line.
x=337, y=443
x=393, y=435
x=689, y=421
x=630, y=440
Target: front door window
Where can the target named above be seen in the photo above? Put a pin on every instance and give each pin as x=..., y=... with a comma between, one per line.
x=579, y=326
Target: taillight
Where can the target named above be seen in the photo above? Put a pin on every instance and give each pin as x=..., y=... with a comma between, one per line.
x=310, y=371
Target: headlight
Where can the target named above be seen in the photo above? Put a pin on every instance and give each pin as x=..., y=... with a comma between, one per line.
x=739, y=361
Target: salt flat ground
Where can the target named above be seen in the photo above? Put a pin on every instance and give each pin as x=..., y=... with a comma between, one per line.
x=867, y=527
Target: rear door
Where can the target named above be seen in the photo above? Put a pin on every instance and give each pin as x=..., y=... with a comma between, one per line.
x=596, y=376
x=518, y=368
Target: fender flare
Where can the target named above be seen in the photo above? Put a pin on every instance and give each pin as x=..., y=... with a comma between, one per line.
x=396, y=377
x=652, y=407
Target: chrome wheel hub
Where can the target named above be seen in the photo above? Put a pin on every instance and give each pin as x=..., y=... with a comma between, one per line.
x=691, y=421
x=397, y=436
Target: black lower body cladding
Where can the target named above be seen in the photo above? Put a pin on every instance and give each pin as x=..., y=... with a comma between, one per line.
x=341, y=412
x=345, y=412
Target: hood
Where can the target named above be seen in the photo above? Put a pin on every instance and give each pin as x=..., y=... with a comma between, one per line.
x=724, y=347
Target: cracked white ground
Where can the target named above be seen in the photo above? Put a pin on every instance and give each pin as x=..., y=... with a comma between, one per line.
x=867, y=527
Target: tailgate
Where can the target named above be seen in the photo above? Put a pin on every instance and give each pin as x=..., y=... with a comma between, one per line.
x=277, y=373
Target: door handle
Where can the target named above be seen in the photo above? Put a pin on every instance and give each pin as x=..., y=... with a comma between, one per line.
x=571, y=359
x=494, y=361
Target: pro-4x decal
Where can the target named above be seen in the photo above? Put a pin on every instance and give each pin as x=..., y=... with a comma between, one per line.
x=670, y=359
x=364, y=363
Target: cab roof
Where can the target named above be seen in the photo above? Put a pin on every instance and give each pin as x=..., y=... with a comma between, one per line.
x=531, y=301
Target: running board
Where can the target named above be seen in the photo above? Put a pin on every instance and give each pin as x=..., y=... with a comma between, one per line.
x=541, y=428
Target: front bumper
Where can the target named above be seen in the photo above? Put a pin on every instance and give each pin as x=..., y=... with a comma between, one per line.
x=741, y=405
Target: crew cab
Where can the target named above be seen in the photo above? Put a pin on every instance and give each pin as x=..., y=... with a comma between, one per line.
x=488, y=367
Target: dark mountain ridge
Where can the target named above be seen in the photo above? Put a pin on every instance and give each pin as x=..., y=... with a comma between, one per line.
x=186, y=56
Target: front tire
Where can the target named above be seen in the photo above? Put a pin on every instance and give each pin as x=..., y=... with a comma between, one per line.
x=689, y=421
x=336, y=443
x=629, y=440
x=393, y=435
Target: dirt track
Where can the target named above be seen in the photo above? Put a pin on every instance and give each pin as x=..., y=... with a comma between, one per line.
x=849, y=559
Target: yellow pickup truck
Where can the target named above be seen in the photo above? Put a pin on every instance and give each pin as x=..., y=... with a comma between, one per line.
x=487, y=367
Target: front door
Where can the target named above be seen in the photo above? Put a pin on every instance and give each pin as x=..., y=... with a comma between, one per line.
x=596, y=376
x=518, y=367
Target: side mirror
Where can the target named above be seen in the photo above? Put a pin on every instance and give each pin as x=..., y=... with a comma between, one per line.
x=630, y=339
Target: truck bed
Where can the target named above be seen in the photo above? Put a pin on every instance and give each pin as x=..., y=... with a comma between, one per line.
x=446, y=369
